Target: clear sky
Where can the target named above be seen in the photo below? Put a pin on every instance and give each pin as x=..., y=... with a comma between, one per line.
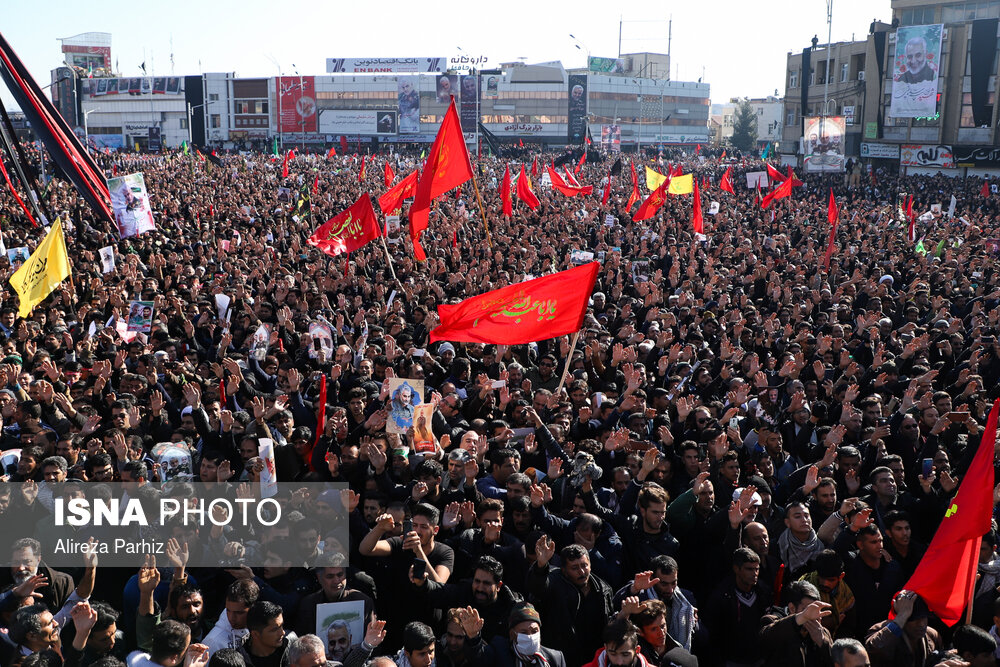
x=740, y=46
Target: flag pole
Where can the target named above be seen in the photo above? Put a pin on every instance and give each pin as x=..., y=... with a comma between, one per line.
x=972, y=586
x=389, y=260
x=569, y=360
x=479, y=200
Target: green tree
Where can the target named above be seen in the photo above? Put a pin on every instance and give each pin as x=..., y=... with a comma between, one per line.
x=745, y=127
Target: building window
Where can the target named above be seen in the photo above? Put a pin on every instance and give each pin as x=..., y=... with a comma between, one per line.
x=812, y=77
x=213, y=97
x=844, y=72
x=967, y=119
x=793, y=79
x=215, y=121
x=790, y=118
x=184, y=123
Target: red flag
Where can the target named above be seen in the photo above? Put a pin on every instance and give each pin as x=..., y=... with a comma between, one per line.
x=723, y=154
x=579, y=165
x=653, y=202
x=392, y=200
x=634, y=197
x=524, y=192
x=390, y=175
x=316, y=185
x=508, y=205
x=588, y=139
x=911, y=229
x=946, y=574
x=678, y=170
x=726, y=183
x=320, y=420
x=538, y=309
x=562, y=186
x=211, y=211
x=795, y=182
x=607, y=190
x=222, y=393
x=697, y=220
x=534, y=168
x=571, y=178
x=759, y=198
x=349, y=230
x=985, y=191
x=780, y=192
x=832, y=214
x=555, y=177
x=364, y=169
x=521, y=142
x=343, y=144
x=697, y=148
x=284, y=164
x=447, y=167
x=774, y=175
x=332, y=153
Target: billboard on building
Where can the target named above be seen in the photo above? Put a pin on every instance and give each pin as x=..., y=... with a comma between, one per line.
x=385, y=65
x=154, y=142
x=926, y=155
x=407, y=88
x=608, y=65
x=823, y=141
x=357, y=121
x=470, y=102
x=447, y=85
x=160, y=85
x=884, y=151
x=611, y=137
x=976, y=156
x=915, y=71
x=576, y=126
x=297, y=101
x=492, y=86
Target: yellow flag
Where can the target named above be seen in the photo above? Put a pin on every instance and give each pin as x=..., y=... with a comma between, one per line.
x=654, y=179
x=43, y=271
x=681, y=185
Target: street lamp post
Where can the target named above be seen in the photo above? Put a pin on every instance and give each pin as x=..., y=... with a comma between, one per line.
x=829, y=52
x=190, y=131
x=277, y=90
x=581, y=47
x=302, y=119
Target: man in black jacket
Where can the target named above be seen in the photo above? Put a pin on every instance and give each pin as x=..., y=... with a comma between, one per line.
x=523, y=645
x=485, y=592
x=576, y=604
x=795, y=635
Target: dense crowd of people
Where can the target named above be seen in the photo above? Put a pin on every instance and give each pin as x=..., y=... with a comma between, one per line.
x=740, y=462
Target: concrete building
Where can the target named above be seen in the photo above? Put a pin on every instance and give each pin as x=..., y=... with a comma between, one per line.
x=543, y=104
x=770, y=119
x=956, y=132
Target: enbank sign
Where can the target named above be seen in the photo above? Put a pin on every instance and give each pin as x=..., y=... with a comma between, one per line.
x=243, y=512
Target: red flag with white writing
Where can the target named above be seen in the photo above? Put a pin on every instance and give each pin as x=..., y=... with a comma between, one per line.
x=780, y=192
x=527, y=312
x=349, y=230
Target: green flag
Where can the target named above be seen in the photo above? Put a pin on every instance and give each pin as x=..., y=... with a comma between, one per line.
x=940, y=248
x=184, y=145
x=423, y=154
x=274, y=147
x=920, y=247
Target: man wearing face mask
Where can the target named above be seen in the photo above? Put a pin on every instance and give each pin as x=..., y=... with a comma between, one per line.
x=523, y=645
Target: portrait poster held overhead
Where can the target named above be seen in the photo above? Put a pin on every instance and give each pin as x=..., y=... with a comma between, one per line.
x=915, y=71
x=140, y=316
x=423, y=436
x=404, y=396
x=341, y=626
x=130, y=203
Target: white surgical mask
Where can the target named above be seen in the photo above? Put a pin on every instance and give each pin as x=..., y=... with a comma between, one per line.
x=528, y=644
